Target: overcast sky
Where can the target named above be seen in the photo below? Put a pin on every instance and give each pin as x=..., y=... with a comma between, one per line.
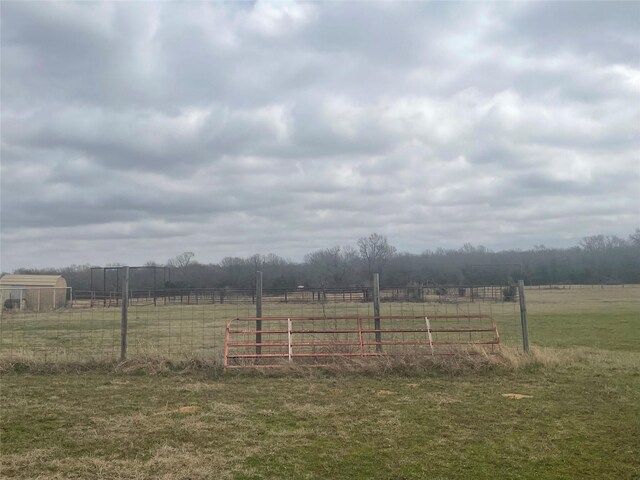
x=136, y=131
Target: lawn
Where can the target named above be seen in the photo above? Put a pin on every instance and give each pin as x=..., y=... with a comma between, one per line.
x=580, y=419
x=607, y=318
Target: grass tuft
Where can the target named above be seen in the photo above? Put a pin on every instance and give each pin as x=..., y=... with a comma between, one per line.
x=477, y=361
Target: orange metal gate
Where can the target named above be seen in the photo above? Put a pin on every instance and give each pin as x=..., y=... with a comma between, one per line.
x=278, y=341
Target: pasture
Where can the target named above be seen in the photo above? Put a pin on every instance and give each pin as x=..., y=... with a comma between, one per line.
x=445, y=418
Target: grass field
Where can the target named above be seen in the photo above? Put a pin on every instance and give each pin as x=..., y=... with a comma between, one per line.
x=605, y=318
x=448, y=419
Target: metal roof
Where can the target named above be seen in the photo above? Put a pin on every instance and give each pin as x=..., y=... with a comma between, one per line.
x=29, y=280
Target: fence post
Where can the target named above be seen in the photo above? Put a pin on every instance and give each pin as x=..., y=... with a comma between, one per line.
x=258, y=311
x=523, y=316
x=376, y=310
x=125, y=308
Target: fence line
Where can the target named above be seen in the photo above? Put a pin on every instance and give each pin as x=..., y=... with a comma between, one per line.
x=569, y=286
x=451, y=293
x=191, y=323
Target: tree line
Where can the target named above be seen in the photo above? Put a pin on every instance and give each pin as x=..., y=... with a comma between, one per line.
x=597, y=259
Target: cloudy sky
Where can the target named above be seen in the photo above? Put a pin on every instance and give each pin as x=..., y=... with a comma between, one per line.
x=135, y=131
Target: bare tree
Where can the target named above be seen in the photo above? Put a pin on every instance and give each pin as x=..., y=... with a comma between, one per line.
x=634, y=238
x=257, y=261
x=595, y=243
x=181, y=263
x=331, y=266
x=375, y=251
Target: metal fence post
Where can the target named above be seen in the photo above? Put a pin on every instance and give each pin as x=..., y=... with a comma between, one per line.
x=376, y=310
x=523, y=316
x=258, y=311
x=125, y=308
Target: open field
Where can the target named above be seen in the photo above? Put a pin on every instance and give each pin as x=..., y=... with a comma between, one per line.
x=607, y=318
x=582, y=421
x=447, y=419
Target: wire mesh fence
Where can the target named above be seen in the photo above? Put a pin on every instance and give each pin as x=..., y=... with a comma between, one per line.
x=418, y=293
x=179, y=324
x=64, y=334
x=35, y=299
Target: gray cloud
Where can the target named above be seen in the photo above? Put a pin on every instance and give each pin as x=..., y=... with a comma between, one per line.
x=587, y=29
x=135, y=131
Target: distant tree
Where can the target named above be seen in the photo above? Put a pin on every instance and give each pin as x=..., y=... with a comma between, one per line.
x=598, y=259
x=614, y=241
x=592, y=243
x=181, y=263
x=375, y=251
x=595, y=243
x=331, y=266
x=257, y=261
x=237, y=272
x=228, y=262
x=273, y=260
x=469, y=248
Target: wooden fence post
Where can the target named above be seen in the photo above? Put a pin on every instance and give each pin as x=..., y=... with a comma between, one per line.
x=523, y=316
x=124, y=319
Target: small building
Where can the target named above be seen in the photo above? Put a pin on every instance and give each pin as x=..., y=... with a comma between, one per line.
x=33, y=292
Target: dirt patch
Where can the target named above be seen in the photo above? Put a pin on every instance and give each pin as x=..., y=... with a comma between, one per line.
x=516, y=396
x=188, y=409
x=385, y=392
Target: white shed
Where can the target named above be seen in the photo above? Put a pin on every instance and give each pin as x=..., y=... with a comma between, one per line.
x=33, y=292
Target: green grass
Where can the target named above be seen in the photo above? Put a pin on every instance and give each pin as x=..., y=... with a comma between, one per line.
x=582, y=421
x=605, y=318
x=383, y=421
x=618, y=331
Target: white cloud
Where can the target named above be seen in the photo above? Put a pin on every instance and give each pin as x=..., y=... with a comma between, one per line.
x=136, y=131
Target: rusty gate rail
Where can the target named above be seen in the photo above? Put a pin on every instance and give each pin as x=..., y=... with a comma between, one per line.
x=285, y=339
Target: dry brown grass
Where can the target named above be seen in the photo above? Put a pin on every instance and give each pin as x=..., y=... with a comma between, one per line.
x=166, y=463
x=380, y=418
x=509, y=359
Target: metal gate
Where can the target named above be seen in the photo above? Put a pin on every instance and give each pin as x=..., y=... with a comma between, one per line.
x=279, y=341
